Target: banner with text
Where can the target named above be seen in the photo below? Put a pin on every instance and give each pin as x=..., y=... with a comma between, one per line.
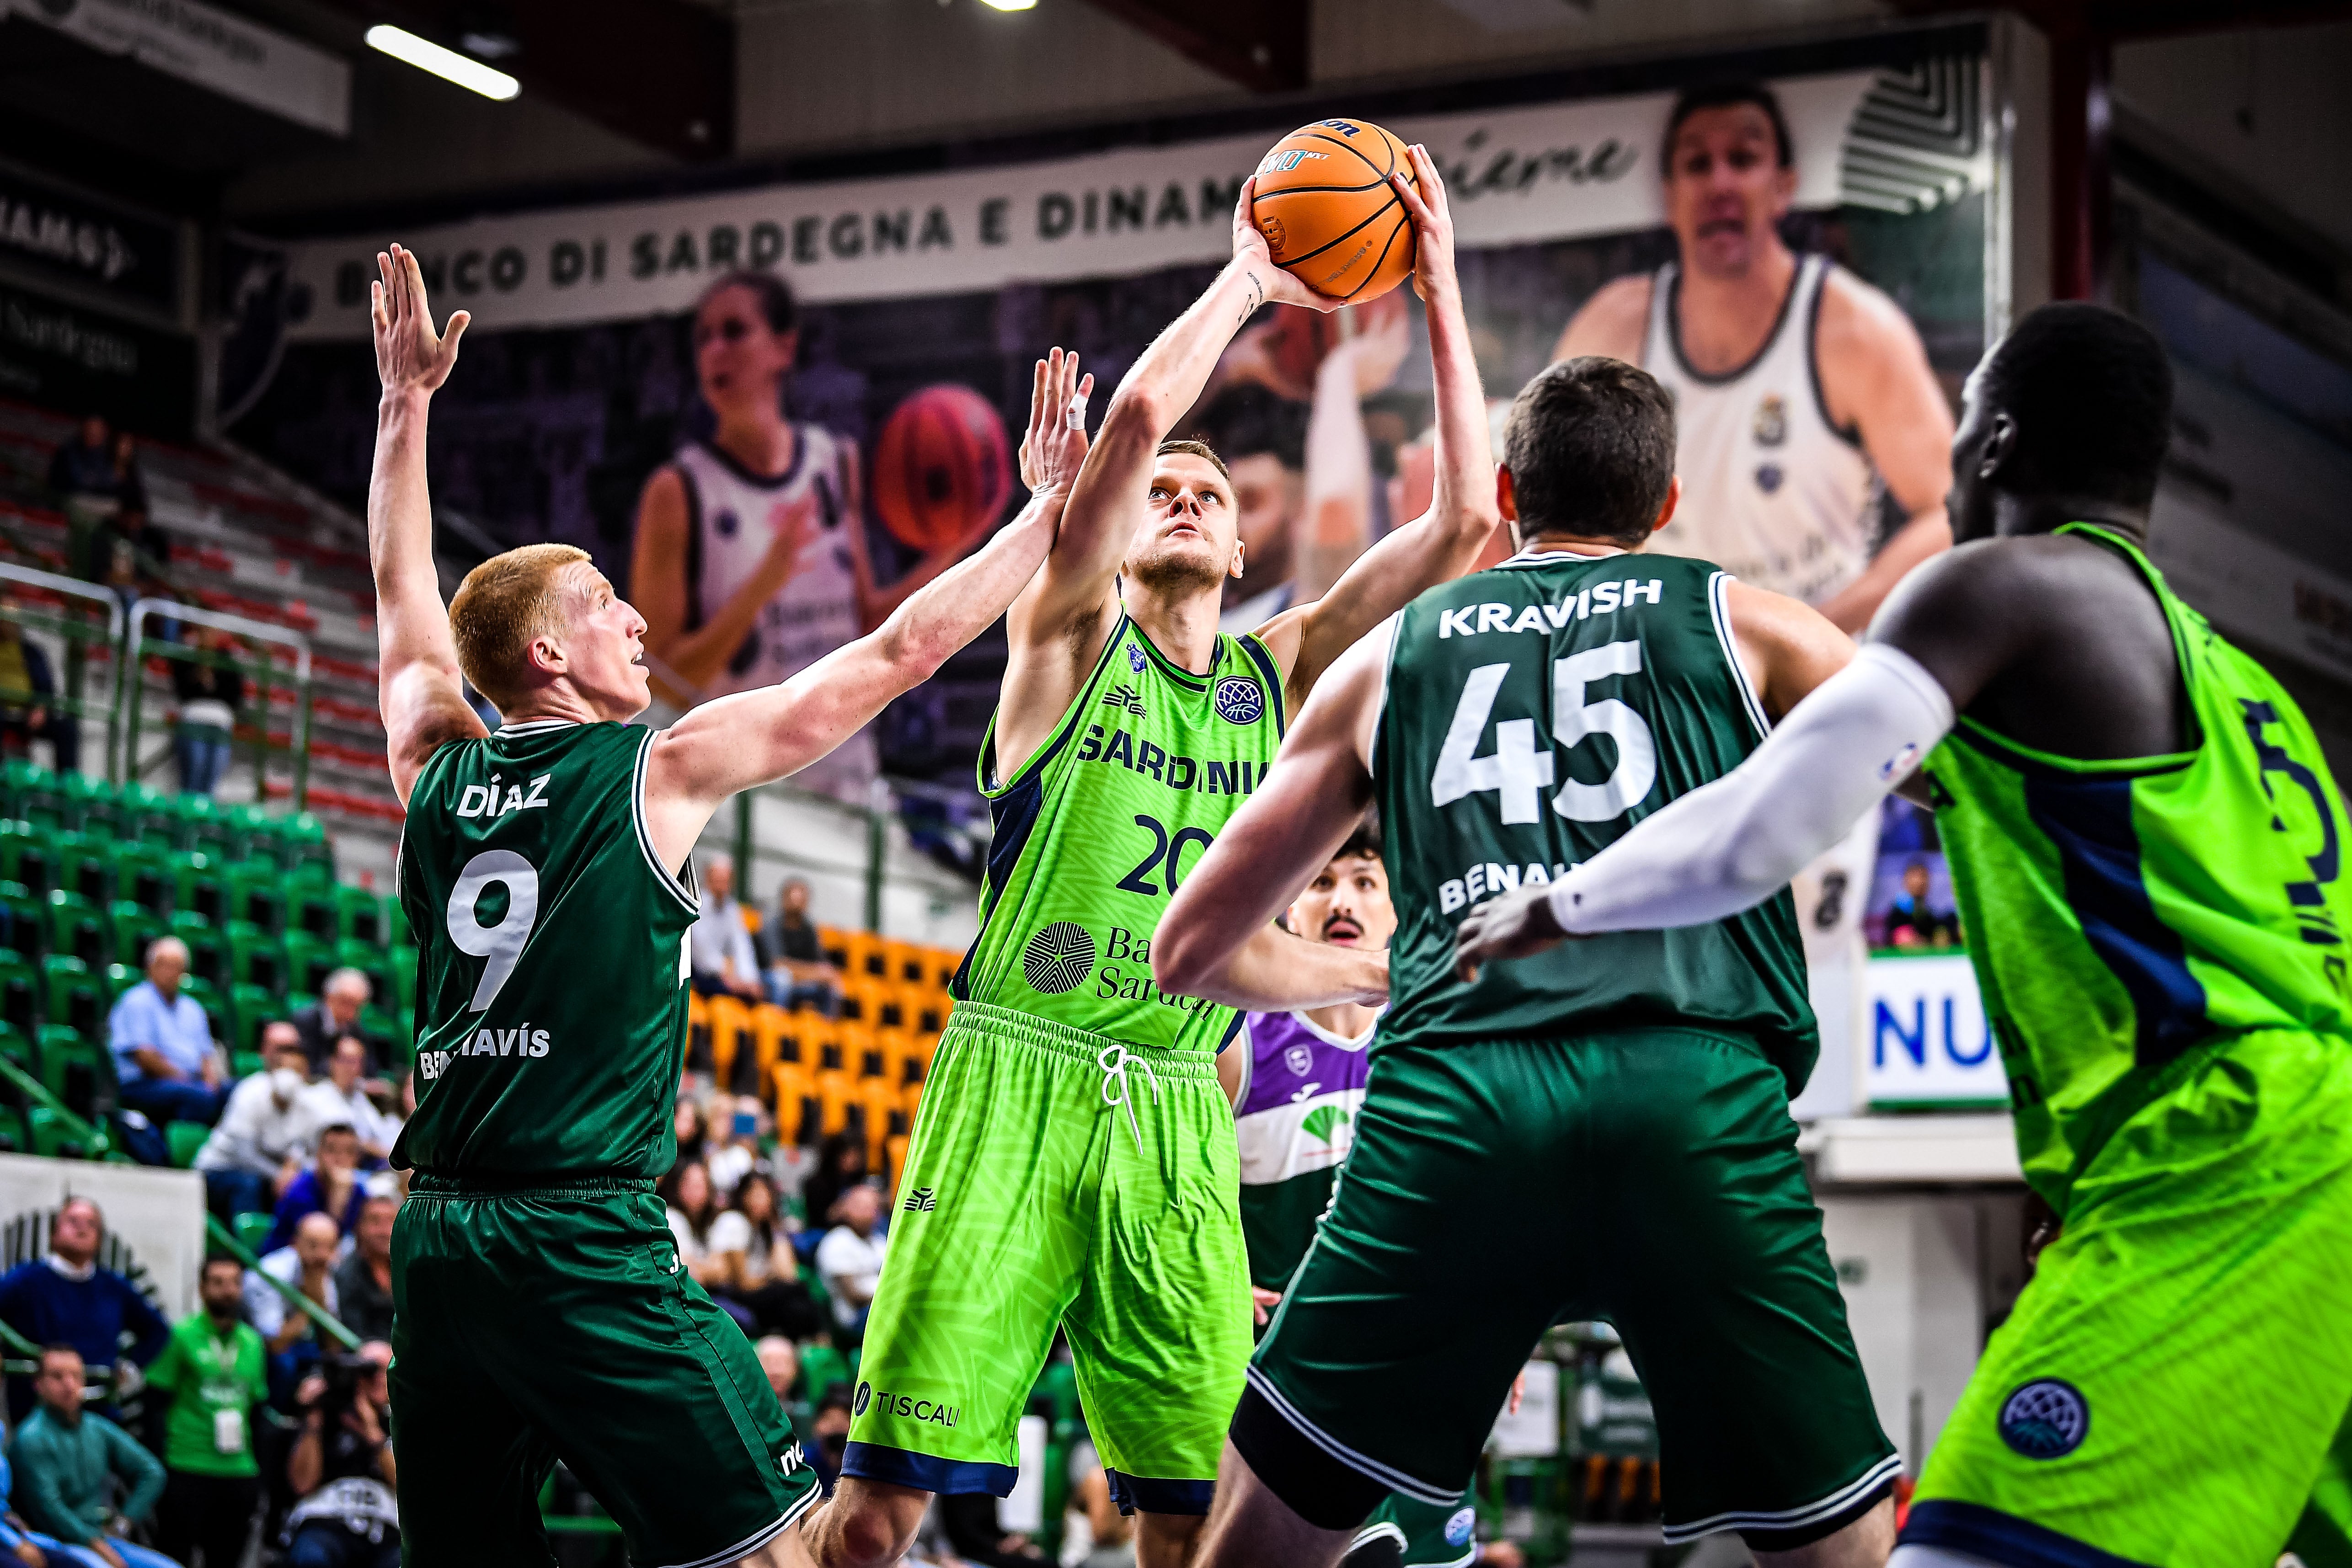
x=1928, y=1041
x=1543, y=171
x=215, y=49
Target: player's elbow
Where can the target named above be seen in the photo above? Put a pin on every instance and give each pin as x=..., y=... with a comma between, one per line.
x=913, y=648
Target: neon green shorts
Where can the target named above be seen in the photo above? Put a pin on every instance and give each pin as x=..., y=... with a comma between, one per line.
x=2173, y=1386
x=1038, y=1197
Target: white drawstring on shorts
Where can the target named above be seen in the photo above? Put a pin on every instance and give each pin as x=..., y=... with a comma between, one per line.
x=1114, y=1061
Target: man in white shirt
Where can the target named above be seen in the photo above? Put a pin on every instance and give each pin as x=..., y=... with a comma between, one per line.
x=721, y=941
x=342, y=1097
x=850, y=1260
x=262, y=1138
x=308, y=1264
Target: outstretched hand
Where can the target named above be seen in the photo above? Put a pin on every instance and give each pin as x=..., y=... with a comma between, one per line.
x=1055, y=444
x=1273, y=282
x=409, y=355
x=1424, y=196
x=1512, y=926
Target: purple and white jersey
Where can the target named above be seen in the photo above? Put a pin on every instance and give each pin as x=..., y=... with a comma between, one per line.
x=1295, y=1121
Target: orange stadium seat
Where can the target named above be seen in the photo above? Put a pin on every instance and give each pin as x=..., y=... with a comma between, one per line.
x=788, y=1088
x=834, y=943
x=880, y=1102
x=697, y=1029
x=911, y=1097
x=731, y=1021
x=895, y=1150
x=835, y=1092
x=777, y=1034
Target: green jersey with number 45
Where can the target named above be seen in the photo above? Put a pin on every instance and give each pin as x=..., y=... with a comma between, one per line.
x=550, y=958
x=1531, y=715
x=1099, y=827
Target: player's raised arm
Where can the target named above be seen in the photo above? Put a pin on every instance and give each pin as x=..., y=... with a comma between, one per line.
x=1218, y=938
x=418, y=687
x=755, y=737
x=1443, y=544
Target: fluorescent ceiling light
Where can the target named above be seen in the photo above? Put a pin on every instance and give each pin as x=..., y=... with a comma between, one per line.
x=1011, y=4
x=446, y=64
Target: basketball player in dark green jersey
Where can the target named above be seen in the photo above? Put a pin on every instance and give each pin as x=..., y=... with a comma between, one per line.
x=1074, y=1165
x=1615, y=1130
x=2148, y=854
x=542, y=1313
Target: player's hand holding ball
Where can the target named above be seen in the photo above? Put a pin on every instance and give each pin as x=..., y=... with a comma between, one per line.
x=1056, y=442
x=1512, y=926
x=1328, y=203
x=1423, y=197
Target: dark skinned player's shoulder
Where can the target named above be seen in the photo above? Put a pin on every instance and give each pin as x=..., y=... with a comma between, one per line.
x=2051, y=640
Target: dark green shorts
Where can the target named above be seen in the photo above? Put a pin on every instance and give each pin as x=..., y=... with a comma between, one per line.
x=555, y=1322
x=1649, y=1177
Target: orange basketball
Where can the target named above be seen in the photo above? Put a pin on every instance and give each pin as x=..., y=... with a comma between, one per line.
x=942, y=467
x=1329, y=213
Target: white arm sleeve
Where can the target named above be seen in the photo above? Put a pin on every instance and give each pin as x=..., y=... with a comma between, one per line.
x=1736, y=842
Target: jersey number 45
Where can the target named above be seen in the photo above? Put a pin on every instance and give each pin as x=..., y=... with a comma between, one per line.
x=1517, y=772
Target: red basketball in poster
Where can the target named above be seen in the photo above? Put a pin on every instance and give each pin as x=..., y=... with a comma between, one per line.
x=943, y=467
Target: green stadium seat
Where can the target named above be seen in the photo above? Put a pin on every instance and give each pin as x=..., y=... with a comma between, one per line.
x=214, y=1000
x=21, y=1002
x=250, y=1006
x=31, y=793
x=143, y=874
x=359, y=916
x=79, y=927
x=253, y=1230
x=251, y=831
x=25, y=922
x=16, y=1138
x=256, y=892
x=303, y=844
x=309, y=961
x=79, y=1072
x=245, y=1064
x=185, y=1138
x=119, y=978
x=256, y=956
x=28, y=855
x=148, y=817
x=199, y=886
x=368, y=960
x=311, y=908
x=18, y=1046
x=86, y=865
x=822, y=1366
x=91, y=807
x=135, y=925
x=200, y=826
x=51, y=1138
x=207, y=948
x=71, y=996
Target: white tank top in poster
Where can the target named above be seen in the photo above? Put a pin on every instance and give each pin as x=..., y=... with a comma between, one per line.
x=733, y=515
x=1772, y=492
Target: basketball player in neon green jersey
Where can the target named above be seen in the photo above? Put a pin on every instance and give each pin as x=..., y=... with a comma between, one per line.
x=2148, y=854
x=1074, y=1165
x=542, y=1313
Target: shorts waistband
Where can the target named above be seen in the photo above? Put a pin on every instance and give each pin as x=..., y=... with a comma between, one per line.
x=1077, y=1045
x=523, y=1184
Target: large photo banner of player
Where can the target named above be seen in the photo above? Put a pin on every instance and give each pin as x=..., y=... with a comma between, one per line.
x=589, y=405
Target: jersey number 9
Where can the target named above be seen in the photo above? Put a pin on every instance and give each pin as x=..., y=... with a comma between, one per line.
x=500, y=944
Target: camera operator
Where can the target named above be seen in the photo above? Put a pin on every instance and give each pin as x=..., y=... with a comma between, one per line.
x=341, y=1468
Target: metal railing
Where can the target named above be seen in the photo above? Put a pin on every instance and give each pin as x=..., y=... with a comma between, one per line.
x=137, y=647
x=79, y=635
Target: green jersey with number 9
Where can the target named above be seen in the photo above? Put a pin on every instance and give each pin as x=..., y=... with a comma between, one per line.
x=1099, y=827
x=551, y=958
x=1532, y=715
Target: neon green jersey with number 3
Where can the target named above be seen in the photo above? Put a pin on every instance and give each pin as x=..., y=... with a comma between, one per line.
x=1099, y=828
x=551, y=958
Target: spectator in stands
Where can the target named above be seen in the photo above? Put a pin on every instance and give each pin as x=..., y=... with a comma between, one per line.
x=739, y=1155
x=364, y=1279
x=687, y=1125
x=69, y=1463
x=342, y=1096
x=723, y=959
x=335, y=1014
x=693, y=1205
x=210, y=694
x=1094, y=1521
x=129, y=478
x=255, y=1150
x=780, y=1359
x=757, y=1269
x=164, y=1057
x=840, y=1165
x=829, y=1424
x=1912, y=921
x=307, y=1266
x=64, y=1298
x=342, y=1469
x=29, y=693
x=214, y=1372
x=19, y=1539
x=794, y=960
x=83, y=469
x=849, y=1259
x=331, y=1186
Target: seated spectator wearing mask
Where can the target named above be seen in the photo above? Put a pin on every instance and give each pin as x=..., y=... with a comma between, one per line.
x=164, y=1057
x=364, y=1279
x=69, y=1463
x=28, y=690
x=342, y=1470
x=335, y=1014
x=64, y=1298
x=759, y=1274
x=257, y=1147
x=308, y=1265
x=342, y=1096
x=788, y=946
x=720, y=944
x=214, y=1373
x=849, y=1260
x=328, y=1185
